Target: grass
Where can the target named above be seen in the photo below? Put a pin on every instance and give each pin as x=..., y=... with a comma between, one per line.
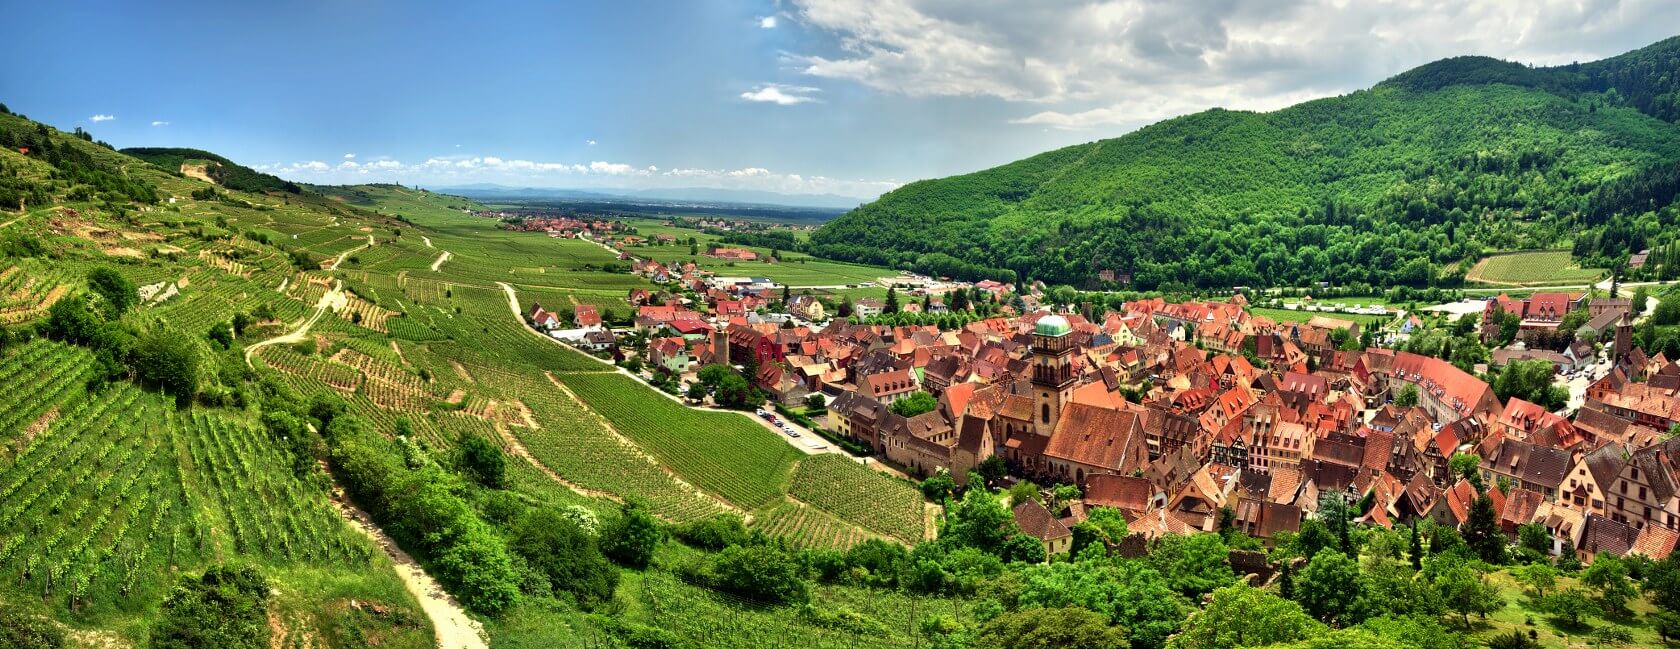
x=1532, y=268
x=1291, y=315
x=1519, y=611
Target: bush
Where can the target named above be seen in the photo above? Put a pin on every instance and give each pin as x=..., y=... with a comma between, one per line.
x=760, y=572
x=565, y=553
x=482, y=461
x=21, y=629
x=714, y=533
x=225, y=607
x=632, y=538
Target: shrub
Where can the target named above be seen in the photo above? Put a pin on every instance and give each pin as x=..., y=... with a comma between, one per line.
x=225, y=607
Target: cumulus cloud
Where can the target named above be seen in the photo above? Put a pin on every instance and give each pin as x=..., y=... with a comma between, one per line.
x=349, y=156
x=780, y=94
x=102, y=118
x=589, y=142
x=159, y=123
x=598, y=174
x=1079, y=63
x=767, y=22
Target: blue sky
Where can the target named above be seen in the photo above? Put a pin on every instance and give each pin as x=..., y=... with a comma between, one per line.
x=796, y=96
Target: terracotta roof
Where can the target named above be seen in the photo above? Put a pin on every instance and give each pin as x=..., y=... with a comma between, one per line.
x=1101, y=437
x=1126, y=493
x=1037, y=522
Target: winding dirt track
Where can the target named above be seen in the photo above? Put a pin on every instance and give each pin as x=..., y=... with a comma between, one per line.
x=333, y=299
x=450, y=623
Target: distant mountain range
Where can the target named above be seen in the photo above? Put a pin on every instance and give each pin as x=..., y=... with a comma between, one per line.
x=1402, y=184
x=700, y=195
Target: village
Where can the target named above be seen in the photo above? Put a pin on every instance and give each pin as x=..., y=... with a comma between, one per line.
x=1193, y=416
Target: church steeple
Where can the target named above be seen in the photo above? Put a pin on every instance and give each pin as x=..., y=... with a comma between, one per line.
x=1052, y=371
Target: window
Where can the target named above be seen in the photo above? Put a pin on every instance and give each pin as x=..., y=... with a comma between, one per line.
x=1044, y=413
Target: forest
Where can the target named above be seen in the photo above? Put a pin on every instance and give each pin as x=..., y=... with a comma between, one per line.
x=1406, y=184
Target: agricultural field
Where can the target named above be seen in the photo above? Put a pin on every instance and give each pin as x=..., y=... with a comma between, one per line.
x=1301, y=315
x=795, y=269
x=878, y=502
x=723, y=453
x=107, y=494
x=803, y=526
x=1532, y=268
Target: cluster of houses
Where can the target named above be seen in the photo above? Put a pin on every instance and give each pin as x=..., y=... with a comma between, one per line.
x=1173, y=413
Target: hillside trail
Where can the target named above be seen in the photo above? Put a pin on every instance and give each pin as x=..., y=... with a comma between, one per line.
x=441, y=258
x=428, y=241
x=450, y=623
x=346, y=254
x=333, y=299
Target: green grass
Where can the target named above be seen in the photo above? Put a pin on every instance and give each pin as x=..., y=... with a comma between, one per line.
x=1291, y=315
x=722, y=453
x=1538, y=267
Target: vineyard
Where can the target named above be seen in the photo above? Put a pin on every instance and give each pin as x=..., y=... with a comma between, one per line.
x=24, y=296
x=878, y=502
x=120, y=486
x=723, y=453
x=804, y=526
x=572, y=442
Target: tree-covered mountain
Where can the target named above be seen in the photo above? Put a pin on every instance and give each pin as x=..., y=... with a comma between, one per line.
x=1398, y=184
x=222, y=171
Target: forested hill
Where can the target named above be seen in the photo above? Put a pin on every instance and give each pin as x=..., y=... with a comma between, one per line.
x=1397, y=184
x=222, y=171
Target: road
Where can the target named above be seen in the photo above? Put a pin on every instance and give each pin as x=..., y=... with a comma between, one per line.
x=333, y=299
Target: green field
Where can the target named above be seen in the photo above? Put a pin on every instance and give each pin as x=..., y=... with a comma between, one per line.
x=1533, y=268
x=1294, y=315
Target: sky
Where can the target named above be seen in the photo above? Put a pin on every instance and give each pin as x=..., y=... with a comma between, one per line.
x=841, y=97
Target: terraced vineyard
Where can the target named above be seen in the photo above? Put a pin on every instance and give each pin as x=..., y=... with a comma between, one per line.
x=119, y=487
x=804, y=526
x=855, y=493
x=723, y=453
x=25, y=296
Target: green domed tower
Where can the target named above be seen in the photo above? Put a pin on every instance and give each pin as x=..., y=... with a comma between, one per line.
x=1052, y=378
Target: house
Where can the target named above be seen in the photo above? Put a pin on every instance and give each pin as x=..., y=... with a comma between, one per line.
x=1037, y=522
x=1647, y=490
x=599, y=340
x=671, y=354
x=733, y=254
x=584, y=315
x=887, y=387
x=867, y=307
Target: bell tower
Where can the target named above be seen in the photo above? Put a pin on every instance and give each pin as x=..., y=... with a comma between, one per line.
x=1052, y=371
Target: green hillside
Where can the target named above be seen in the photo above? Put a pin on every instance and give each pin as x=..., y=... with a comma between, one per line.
x=1392, y=185
x=223, y=171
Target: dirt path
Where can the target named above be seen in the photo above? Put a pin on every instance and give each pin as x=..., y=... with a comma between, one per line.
x=333, y=299
x=428, y=241
x=346, y=254
x=441, y=258
x=453, y=628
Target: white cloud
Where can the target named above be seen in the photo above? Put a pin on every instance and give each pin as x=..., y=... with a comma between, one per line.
x=589, y=142
x=102, y=118
x=349, y=156
x=159, y=123
x=781, y=95
x=767, y=22
x=1127, y=62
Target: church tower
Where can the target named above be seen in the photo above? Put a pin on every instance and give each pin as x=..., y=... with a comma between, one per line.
x=1624, y=338
x=1052, y=371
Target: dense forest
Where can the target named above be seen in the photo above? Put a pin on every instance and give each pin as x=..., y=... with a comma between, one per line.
x=225, y=172
x=1396, y=185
